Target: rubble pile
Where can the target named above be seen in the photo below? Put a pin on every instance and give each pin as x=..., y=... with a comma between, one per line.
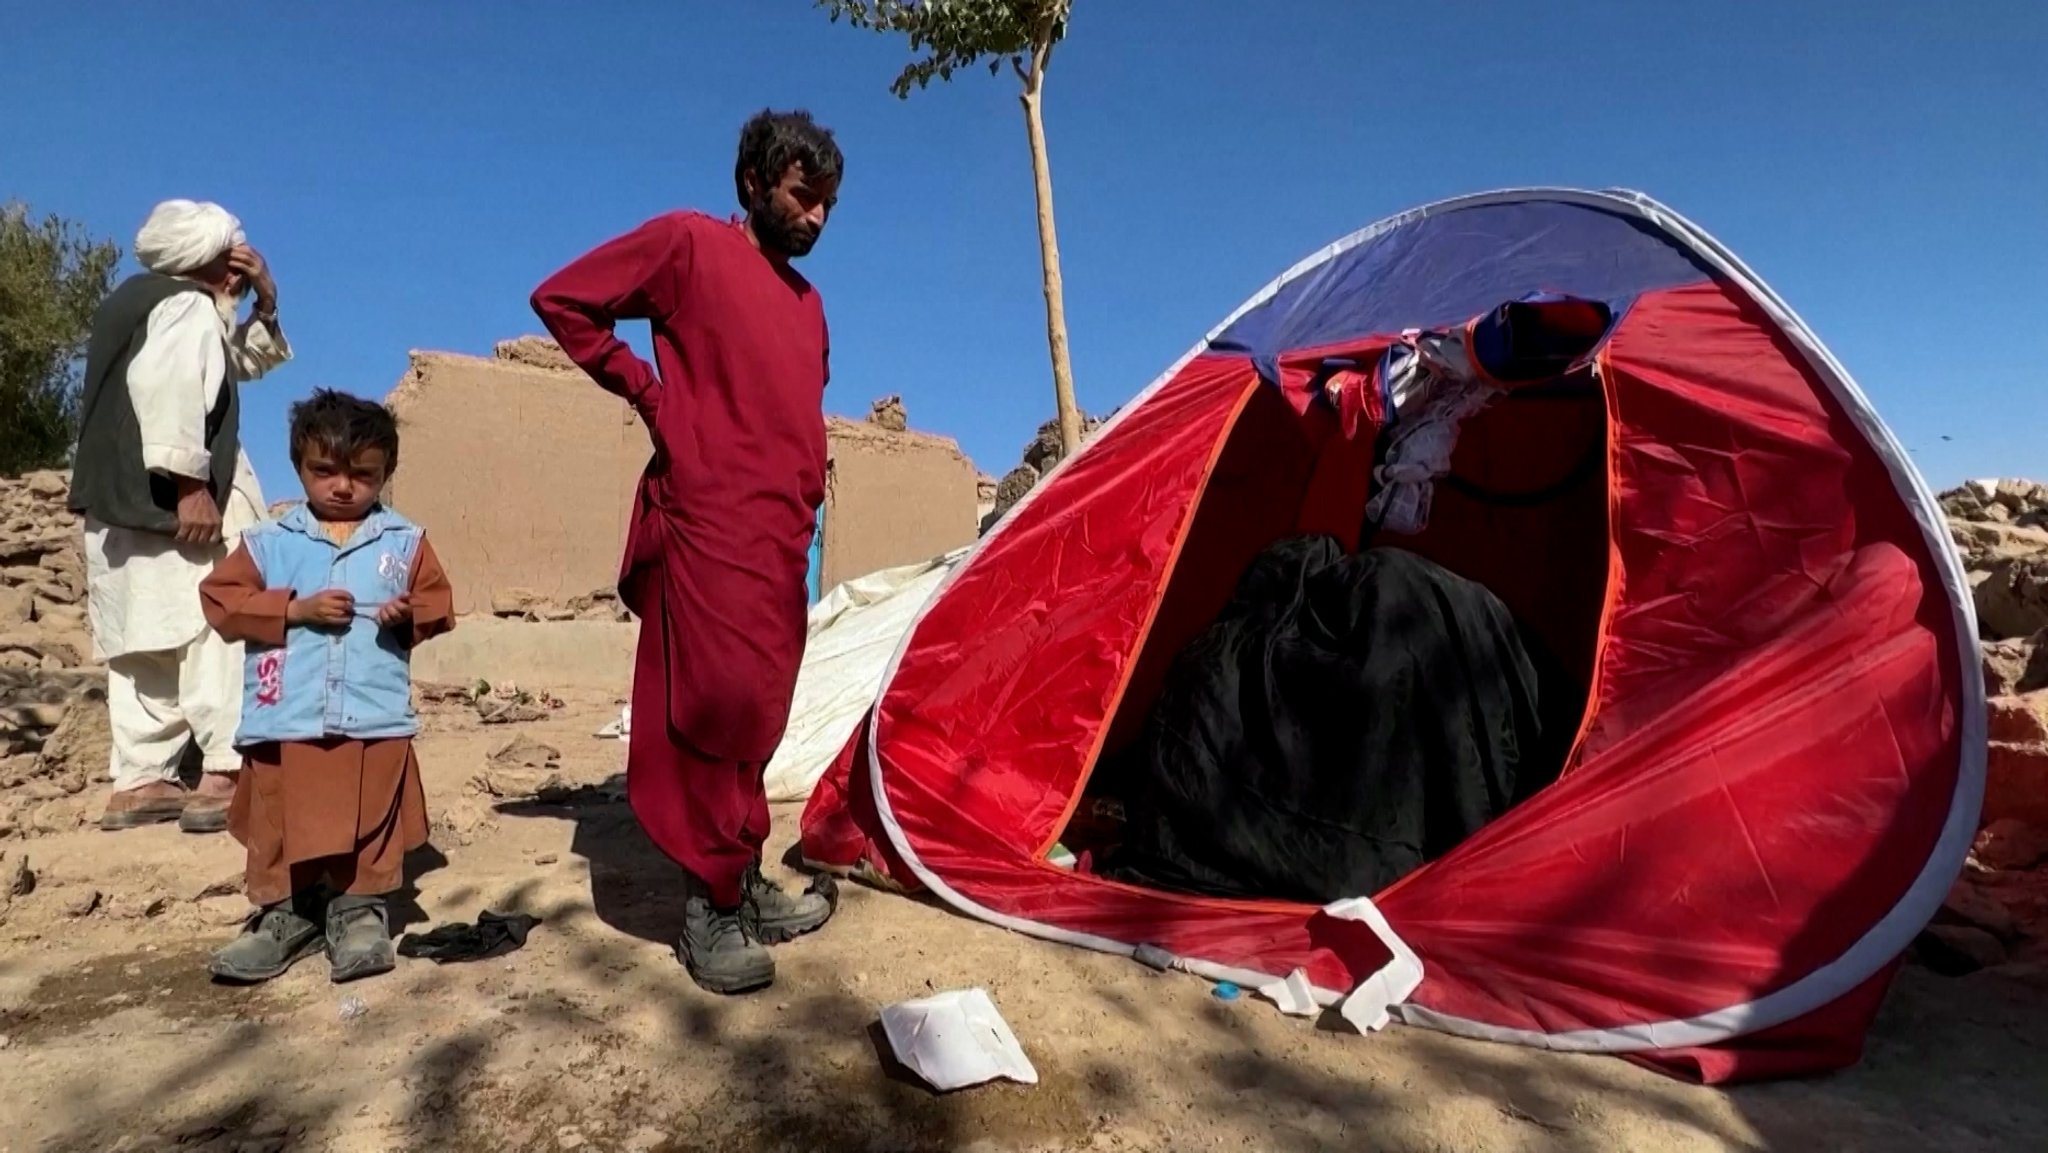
x=1044, y=451
x=1997, y=914
x=888, y=413
x=526, y=605
x=53, y=726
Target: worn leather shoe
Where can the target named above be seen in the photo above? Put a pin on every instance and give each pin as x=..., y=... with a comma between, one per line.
x=272, y=942
x=774, y=916
x=717, y=948
x=359, y=938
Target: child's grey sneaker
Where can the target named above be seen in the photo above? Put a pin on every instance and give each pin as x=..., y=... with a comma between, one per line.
x=717, y=949
x=272, y=942
x=359, y=939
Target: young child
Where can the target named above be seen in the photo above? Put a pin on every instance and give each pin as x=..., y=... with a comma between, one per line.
x=330, y=600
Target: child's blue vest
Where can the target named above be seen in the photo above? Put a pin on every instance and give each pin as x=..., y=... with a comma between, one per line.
x=354, y=683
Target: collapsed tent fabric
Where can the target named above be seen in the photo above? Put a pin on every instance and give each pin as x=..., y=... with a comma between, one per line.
x=1780, y=762
x=853, y=631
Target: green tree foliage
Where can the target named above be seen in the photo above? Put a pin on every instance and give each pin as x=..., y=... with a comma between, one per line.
x=52, y=277
x=947, y=36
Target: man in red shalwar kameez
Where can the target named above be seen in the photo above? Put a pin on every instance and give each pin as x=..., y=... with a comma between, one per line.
x=718, y=550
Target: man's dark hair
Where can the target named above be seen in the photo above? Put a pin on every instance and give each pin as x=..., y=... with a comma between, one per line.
x=772, y=141
x=343, y=425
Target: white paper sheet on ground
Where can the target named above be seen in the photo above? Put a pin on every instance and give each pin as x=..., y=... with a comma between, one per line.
x=1369, y=1007
x=1292, y=994
x=620, y=729
x=853, y=631
x=956, y=1039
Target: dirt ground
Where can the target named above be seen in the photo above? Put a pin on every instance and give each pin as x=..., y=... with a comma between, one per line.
x=593, y=1038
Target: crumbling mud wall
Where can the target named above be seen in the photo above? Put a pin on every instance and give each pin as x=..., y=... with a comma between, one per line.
x=893, y=498
x=523, y=472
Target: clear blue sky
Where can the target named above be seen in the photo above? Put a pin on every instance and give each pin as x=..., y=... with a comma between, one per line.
x=412, y=170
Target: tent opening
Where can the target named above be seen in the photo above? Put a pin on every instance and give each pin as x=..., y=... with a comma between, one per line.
x=1522, y=513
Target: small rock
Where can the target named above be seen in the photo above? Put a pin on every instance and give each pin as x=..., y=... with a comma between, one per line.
x=546, y=859
x=79, y=745
x=136, y=906
x=523, y=784
x=2016, y=783
x=224, y=885
x=223, y=911
x=2011, y=844
x=22, y=880
x=509, y=711
x=569, y=1137
x=1958, y=950
x=2020, y=720
x=523, y=752
x=645, y=1139
x=516, y=602
x=81, y=904
x=49, y=483
x=888, y=413
x=57, y=817
x=39, y=715
x=1971, y=906
x=5, y=1041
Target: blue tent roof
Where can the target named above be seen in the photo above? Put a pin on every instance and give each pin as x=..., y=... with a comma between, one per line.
x=1450, y=262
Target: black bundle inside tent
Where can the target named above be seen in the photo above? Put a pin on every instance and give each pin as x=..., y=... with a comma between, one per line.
x=1345, y=719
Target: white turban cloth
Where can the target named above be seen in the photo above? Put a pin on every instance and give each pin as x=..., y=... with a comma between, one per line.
x=181, y=235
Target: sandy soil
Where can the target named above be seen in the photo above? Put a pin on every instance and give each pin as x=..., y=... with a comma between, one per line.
x=593, y=1038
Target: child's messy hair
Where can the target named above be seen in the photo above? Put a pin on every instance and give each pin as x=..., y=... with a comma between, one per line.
x=343, y=426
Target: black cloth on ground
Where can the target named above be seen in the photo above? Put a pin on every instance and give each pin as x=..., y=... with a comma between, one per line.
x=1346, y=718
x=494, y=934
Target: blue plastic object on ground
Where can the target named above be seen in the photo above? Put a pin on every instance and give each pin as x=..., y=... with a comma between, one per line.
x=1225, y=991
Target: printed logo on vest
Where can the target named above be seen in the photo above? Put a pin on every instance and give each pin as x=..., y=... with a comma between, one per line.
x=391, y=567
x=270, y=678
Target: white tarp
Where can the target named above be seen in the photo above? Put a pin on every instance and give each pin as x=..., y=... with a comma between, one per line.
x=854, y=630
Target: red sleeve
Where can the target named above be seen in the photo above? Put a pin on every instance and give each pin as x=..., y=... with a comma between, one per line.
x=237, y=605
x=433, y=598
x=631, y=277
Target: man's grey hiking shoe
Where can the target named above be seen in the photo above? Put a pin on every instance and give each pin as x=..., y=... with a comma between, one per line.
x=272, y=941
x=718, y=950
x=358, y=939
x=774, y=916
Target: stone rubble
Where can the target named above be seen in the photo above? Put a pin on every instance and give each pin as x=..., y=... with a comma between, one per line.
x=888, y=413
x=53, y=727
x=1040, y=456
x=1996, y=916
x=527, y=605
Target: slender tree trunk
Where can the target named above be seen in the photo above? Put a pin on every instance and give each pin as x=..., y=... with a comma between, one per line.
x=1049, y=257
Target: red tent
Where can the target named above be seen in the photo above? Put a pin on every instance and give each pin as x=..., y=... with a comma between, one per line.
x=1781, y=760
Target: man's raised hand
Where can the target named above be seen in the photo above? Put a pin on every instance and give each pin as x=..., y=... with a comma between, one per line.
x=256, y=271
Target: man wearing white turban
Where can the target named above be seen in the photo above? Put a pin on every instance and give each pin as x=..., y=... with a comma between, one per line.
x=166, y=490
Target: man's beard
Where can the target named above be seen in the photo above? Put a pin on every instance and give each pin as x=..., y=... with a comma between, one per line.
x=780, y=233
x=229, y=303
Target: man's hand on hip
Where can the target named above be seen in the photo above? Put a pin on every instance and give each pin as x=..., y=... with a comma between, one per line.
x=198, y=515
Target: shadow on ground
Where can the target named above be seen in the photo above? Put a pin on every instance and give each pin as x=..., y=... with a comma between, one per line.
x=552, y=1065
